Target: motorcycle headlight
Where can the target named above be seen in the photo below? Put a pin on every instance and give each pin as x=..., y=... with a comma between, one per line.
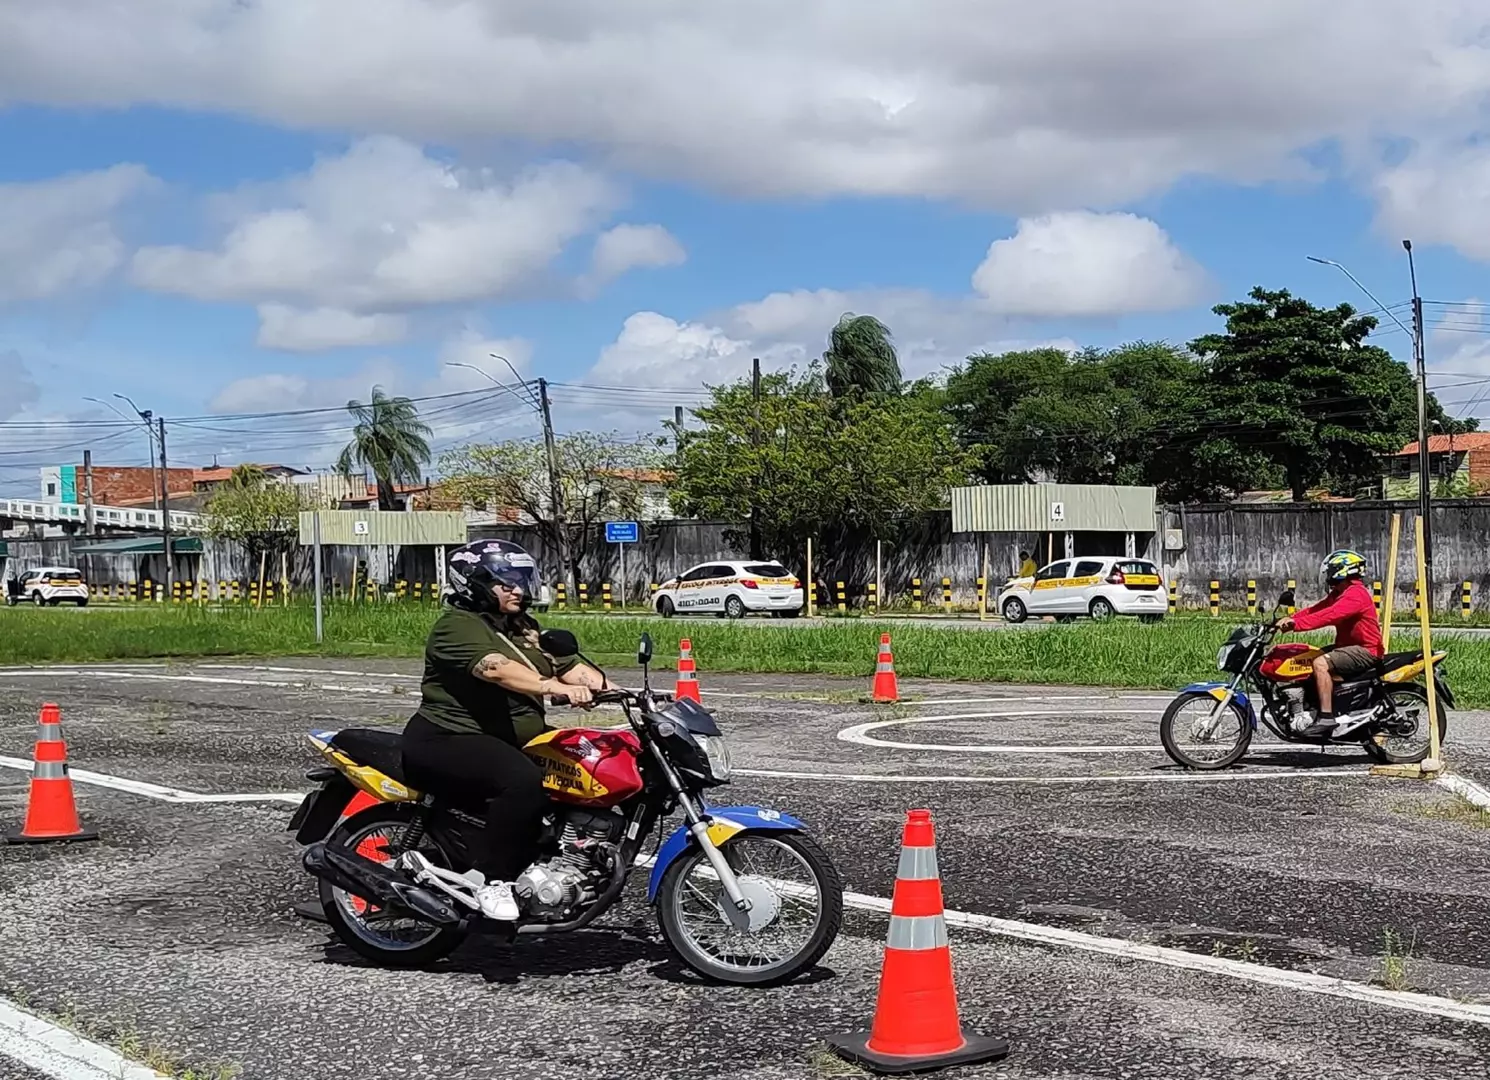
x=1222, y=655
x=716, y=750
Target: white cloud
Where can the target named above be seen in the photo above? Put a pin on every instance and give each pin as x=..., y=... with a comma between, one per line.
x=1024, y=107
x=295, y=330
x=1439, y=195
x=61, y=234
x=633, y=247
x=1081, y=264
x=385, y=227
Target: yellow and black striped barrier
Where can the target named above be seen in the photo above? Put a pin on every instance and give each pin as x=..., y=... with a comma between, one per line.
x=418, y=592
x=1251, y=597
x=874, y=600
x=605, y=596
x=584, y=595
x=812, y=594
x=402, y=589
x=982, y=594
x=1417, y=599
x=842, y=599
x=947, y=594
x=1293, y=609
x=1466, y=600
x=1215, y=599
x=1174, y=596
x=916, y=593
x=561, y=595
x=1376, y=595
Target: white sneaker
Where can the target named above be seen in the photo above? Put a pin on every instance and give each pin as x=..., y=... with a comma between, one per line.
x=497, y=902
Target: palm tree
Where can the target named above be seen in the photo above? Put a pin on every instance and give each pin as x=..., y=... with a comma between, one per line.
x=389, y=440
x=861, y=357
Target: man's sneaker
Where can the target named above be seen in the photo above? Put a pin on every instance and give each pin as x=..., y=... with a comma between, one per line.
x=497, y=902
x=1321, y=727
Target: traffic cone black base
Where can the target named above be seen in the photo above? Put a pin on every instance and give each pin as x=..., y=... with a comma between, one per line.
x=310, y=909
x=978, y=1050
x=84, y=833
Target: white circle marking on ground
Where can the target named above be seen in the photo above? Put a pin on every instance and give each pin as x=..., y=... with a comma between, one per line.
x=860, y=733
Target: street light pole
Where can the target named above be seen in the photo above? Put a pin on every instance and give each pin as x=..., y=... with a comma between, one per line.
x=1415, y=335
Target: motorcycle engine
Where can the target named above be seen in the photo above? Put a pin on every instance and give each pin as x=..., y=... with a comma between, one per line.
x=554, y=887
x=1297, y=717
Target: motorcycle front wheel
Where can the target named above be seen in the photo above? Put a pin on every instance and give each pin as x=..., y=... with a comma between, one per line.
x=796, y=909
x=1191, y=740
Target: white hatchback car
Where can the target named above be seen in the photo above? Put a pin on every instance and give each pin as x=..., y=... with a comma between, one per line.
x=731, y=589
x=51, y=585
x=1098, y=586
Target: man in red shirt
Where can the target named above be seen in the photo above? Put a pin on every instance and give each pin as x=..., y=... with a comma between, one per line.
x=1347, y=607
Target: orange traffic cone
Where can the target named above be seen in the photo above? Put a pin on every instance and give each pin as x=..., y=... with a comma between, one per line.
x=687, y=675
x=886, y=689
x=51, y=813
x=916, y=1027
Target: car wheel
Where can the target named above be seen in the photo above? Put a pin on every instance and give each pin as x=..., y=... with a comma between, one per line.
x=665, y=607
x=1014, y=610
x=1102, y=609
x=734, y=608
x=38, y=599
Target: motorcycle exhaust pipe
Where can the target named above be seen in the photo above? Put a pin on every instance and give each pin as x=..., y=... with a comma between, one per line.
x=377, y=882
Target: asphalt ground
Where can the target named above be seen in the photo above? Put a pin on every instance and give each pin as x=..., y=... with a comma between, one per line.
x=1054, y=808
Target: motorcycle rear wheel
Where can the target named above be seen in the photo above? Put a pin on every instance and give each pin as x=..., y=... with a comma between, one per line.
x=1241, y=736
x=352, y=926
x=1406, y=697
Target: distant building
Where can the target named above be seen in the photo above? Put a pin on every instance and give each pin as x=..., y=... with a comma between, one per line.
x=1461, y=460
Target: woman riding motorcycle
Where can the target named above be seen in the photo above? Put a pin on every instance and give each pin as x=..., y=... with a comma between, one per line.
x=464, y=742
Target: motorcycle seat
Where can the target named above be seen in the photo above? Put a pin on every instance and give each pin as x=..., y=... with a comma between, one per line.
x=383, y=750
x=1395, y=660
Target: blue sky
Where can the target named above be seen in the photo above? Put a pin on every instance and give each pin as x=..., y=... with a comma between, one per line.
x=205, y=211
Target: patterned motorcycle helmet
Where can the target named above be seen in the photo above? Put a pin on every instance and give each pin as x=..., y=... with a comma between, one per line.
x=473, y=570
x=1343, y=564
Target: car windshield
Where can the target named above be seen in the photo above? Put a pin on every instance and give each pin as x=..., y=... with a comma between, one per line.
x=767, y=570
x=65, y=577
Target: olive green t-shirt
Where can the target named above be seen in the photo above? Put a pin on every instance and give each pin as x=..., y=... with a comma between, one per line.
x=451, y=696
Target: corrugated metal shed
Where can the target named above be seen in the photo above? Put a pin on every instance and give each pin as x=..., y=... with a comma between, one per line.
x=1052, y=508
x=394, y=528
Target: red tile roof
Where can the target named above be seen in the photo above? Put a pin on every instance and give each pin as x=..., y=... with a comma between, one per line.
x=1443, y=444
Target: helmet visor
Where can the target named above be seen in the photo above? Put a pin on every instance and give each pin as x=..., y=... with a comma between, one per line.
x=523, y=578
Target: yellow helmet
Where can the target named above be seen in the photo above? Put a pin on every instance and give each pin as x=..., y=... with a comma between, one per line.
x=1339, y=565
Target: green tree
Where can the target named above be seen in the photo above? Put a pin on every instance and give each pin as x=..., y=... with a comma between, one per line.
x=388, y=440
x=1095, y=416
x=1294, y=391
x=601, y=476
x=261, y=514
x=861, y=358
x=814, y=463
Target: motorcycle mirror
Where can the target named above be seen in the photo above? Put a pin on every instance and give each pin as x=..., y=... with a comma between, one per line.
x=558, y=643
x=1286, y=600
x=644, y=650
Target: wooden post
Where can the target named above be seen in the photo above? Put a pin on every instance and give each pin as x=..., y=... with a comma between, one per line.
x=263, y=565
x=1390, y=595
x=284, y=578
x=983, y=590
x=811, y=583
x=1432, y=765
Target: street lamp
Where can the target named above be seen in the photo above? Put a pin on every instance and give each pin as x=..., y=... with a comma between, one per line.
x=528, y=400
x=1415, y=335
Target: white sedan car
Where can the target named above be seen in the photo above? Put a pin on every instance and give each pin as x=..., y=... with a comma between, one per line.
x=731, y=589
x=1098, y=586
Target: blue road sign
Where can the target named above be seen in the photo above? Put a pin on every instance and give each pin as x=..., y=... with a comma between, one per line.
x=622, y=532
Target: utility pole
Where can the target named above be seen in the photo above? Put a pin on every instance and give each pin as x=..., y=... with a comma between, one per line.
x=1425, y=493
x=88, y=492
x=677, y=428
x=755, y=441
x=165, y=505
x=561, y=532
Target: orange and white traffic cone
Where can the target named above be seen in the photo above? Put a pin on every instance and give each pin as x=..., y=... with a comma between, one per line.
x=687, y=675
x=51, y=812
x=886, y=689
x=916, y=1026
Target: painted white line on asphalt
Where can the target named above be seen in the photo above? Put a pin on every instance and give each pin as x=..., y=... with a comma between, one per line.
x=1093, y=699
x=1132, y=778
x=860, y=733
x=1304, y=982
x=214, y=680
x=311, y=671
x=61, y=1054
x=154, y=791
x=1466, y=789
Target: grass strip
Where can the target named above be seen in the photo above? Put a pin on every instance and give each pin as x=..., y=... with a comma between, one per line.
x=1118, y=654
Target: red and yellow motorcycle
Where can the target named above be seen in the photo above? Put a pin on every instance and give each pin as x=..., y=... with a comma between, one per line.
x=1210, y=725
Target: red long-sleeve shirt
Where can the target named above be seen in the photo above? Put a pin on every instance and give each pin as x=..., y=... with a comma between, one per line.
x=1350, y=611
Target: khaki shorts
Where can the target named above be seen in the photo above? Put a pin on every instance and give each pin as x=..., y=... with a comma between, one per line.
x=1350, y=662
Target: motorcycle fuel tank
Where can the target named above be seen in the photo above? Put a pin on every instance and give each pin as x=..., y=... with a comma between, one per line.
x=588, y=766
x=1289, y=663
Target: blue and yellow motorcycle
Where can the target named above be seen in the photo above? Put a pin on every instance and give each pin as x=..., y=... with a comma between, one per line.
x=743, y=894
